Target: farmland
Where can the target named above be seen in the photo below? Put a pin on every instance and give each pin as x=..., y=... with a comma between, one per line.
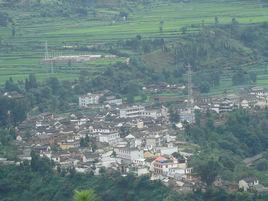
x=25, y=51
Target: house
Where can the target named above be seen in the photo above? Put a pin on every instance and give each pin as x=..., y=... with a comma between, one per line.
x=187, y=187
x=130, y=139
x=112, y=100
x=132, y=112
x=166, y=150
x=223, y=105
x=102, y=129
x=187, y=115
x=69, y=144
x=161, y=165
x=226, y=105
x=248, y=183
x=244, y=104
x=257, y=91
x=89, y=99
x=176, y=173
x=128, y=154
x=140, y=171
x=140, y=111
x=43, y=139
x=154, y=141
x=112, y=138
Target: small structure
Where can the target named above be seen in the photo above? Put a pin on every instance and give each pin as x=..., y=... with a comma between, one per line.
x=226, y=106
x=161, y=165
x=112, y=100
x=187, y=115
x=89, y=99
x=112, y=138
x=128, y=155
x=244, y=104
x=248, y=183
x=257, y=91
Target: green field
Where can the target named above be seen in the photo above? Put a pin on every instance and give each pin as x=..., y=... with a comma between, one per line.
x=27, y=47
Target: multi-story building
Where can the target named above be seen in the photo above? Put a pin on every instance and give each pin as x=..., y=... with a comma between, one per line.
x=187, y=115
x=154, y=141
x=114, y=101
x=140, y=111
x=226, y=106
x=102, y=129
x=111, y=138
x=129, y=154
x=161, y=165
x=89, y=99
x=132, y=112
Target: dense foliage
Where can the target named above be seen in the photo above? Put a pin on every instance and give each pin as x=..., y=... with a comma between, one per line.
x=224, y=147
x=243, y=133
x=60, y=186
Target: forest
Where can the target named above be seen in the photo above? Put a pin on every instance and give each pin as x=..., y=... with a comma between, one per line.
x=48, y=184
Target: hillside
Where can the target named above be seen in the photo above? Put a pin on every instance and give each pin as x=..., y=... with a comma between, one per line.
x=102, y=27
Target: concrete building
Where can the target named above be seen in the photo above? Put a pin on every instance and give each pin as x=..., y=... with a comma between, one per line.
x=244, y=104
x=154, y=141
x=102, y=129
x=89, y=99
x=161, y=165
x=111, y=100
x=111, y=138
x=226, y=106
x=140, y=111
x=248, y=183
x=187, y=115
x=129, y=154
x=132, y=112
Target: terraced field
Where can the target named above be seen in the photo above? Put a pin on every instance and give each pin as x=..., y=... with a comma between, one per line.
x=27, y=47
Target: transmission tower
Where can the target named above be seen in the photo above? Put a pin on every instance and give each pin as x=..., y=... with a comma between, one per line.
x=190, y=90
x=46, y=52
x=48, y=58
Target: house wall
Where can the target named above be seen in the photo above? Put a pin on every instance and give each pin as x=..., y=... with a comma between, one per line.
x=129, y=154
x=243, y=185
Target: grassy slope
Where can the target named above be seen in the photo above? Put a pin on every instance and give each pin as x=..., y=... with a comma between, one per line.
x=32, y=32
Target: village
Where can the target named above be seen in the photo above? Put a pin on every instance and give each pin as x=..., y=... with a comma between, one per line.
x=106, y=133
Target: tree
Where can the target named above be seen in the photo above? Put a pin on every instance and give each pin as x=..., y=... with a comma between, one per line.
x=30, y=82
x=253, y=76
x=13, y=31
x=216, y=19
x=11, y=86
x=183, y=29
x=86, y=195
x=208, y=171
x=240, y=77
x=4, y=19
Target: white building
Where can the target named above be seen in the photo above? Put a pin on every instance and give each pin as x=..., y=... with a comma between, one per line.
x=161, y=165
x=111, y=138
x=187, y=115
x=257, y=91
x=129, y=154
x=102, y=129
x=132, y=112
x=244, y=104
x=154, y=141
x=166, y=150
x=140, y=111
x=89, y=99
x=248, y=183
x=114, y=101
